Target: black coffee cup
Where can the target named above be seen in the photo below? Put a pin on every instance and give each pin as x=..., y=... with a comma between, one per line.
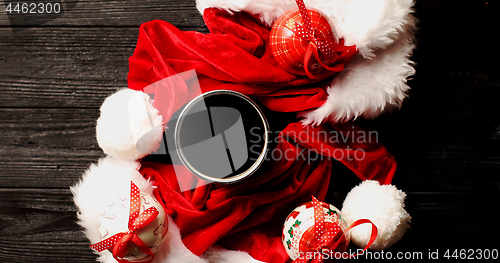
x=222, y=136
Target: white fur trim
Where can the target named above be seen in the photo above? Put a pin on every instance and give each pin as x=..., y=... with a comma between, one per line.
x=267, y=10
x=218, y=254
x=384, y=206
x=98, y=185
x=368, y=87
x=382, y=30
x=129, y=126
x=101, y=181
x=368, y=24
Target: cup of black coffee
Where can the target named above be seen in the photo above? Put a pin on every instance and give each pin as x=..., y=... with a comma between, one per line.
x=222, y=136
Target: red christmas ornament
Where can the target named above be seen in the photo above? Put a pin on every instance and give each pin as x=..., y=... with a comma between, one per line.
x=316, y=231
x=305, y=37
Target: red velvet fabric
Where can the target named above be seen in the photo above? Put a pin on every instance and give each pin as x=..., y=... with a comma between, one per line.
x=236, y=55
x=247, y=215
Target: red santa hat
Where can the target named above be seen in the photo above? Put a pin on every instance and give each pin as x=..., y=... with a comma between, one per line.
x=383, y=31
x=373, y=82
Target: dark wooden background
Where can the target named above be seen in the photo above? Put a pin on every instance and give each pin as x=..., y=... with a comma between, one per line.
x=55, y=71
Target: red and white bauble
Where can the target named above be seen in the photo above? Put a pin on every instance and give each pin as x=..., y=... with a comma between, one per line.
x=115, y=218
x=289, y=48
x=298, y=230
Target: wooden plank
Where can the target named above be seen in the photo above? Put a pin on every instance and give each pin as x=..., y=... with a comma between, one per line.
x=39, y=199
x=109, y=13
x=445, y=220
x=451, y=220
x=442, y=25
x=64, y=67
x=184, y=13
x=39, y=225
x=46, y=147
x=70, y=67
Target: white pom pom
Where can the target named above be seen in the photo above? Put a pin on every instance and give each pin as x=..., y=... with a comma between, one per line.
x=384, y=206
x=129, y=126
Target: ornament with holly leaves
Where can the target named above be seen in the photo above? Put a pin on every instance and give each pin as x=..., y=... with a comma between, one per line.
x=289, y=244
x=331, y=212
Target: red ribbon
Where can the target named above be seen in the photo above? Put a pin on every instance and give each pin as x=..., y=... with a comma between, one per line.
x=327, y=47
x=323, y=237
x=121, y=241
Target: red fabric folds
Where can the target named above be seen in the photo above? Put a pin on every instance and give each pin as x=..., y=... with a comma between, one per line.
x=236, y=55
x=248, y=215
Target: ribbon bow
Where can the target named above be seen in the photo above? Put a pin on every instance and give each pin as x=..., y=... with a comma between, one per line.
x=120, y=242
x=326, y=46
x=322, y=237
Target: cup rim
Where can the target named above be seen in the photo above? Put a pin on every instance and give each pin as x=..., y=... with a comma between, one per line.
x=237, y=177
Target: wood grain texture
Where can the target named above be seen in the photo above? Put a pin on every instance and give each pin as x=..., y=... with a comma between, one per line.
x=111, y=13
x=70, y=67
x=38, y=225
x=55, y=72
x=43, y=147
